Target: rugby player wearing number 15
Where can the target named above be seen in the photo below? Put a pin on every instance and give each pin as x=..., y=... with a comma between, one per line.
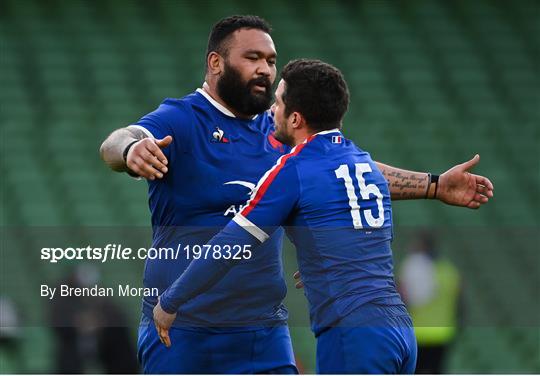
x=335, y=204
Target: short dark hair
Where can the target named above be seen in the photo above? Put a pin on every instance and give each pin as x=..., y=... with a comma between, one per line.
x=223, y=29
x=318, y=91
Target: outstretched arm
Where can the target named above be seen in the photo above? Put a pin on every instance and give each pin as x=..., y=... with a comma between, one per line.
x=405, y=184
x=457, y=186
x=131, y=150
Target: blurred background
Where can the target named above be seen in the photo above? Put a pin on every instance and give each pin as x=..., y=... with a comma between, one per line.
x=432, y=83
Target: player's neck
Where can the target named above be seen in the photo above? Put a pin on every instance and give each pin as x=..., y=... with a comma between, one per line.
x=301, y=135
x=211, y=91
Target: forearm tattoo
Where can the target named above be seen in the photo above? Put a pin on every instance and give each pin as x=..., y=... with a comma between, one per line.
x=406, y=184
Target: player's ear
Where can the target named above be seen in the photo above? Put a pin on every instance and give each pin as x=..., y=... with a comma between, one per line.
x=215, y=63
x=297, y=120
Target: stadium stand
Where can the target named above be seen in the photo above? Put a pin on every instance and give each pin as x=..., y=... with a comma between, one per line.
x=432, y=83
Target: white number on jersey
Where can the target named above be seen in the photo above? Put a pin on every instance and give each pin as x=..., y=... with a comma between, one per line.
x=365, y=190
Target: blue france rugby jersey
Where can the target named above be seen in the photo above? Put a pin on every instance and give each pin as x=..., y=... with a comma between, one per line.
x=336, y=206
x=215, y=161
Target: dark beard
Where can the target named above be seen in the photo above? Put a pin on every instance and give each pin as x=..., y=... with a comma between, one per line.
x=239, y=96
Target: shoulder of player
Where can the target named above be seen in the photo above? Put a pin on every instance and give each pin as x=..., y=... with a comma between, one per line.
x=294, y=157
x=179, y=104
x=313, y=151
x=171, y=107
x=308, y=148
x=175, y=111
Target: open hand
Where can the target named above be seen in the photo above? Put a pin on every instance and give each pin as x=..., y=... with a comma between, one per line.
x=146, y=159
x=459, y=187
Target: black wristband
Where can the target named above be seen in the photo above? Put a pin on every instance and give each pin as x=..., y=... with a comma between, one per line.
x=126, y=150
x=434, y=179
x=428, y=185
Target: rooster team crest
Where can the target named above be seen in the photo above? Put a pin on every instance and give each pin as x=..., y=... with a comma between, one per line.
x=218, y=136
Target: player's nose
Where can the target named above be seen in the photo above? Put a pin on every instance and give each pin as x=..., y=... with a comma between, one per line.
x=264, y=68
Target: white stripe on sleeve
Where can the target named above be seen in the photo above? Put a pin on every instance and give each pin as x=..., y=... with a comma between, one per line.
x=247, y=225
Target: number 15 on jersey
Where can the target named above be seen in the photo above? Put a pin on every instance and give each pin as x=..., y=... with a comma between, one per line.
x=342, y=172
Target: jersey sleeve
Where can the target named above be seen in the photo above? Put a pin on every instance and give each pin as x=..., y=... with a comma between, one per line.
x=173, y=118
x=272, y=201
x=270, y=205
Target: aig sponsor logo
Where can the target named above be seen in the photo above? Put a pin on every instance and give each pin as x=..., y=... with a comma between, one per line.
x=233, y=209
